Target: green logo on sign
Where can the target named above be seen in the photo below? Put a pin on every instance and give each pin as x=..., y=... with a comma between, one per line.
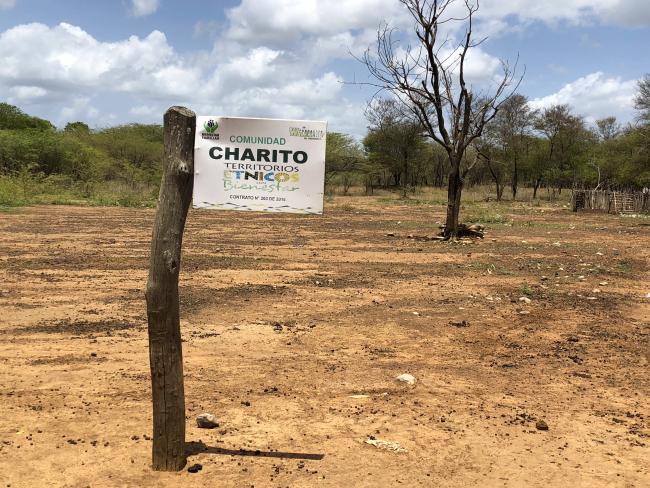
x=210, y=126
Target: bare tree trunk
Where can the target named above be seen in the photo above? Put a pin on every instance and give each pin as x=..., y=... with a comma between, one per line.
x=439, y=177
x=454, y=190
x=404, y=176
x=165, y=351
x=536, y=186
x=515, y=179
x=495, y=177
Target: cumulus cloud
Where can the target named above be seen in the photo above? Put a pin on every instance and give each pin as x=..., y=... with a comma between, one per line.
x=271, y=58
x=287, y=20
x=79, y=108
x=313, y=32
x=141, y=8
x=66, y=58
x=255, y=65
x=297, y=98
x=635, y=13
x=283, y=20
x=148, y=112
x=67, y=67
x=595, y=96
x=481, y=67
x=26, y=93
x=621, y=12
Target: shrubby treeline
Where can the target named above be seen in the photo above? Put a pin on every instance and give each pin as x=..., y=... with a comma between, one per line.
x=116, y=165
x=553, y=148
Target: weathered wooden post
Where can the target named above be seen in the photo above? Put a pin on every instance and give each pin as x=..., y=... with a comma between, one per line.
x=165, y=350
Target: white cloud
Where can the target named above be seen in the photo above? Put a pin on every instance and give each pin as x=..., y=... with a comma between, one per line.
x=66, y=67
x=255, y=65
x=623, y=12
x=288, y=19
x=595, y=96
x=66, y=58
x=141, y=8
x=272, y=58
x=635, y=13
x=79, y=109
x=299, y=98
x=339, y=46
x=549, y=11
x=481, y=67
x=310, y=92
x=283, y=21
x=147, y=113
x=7, y=4
x=26, y=93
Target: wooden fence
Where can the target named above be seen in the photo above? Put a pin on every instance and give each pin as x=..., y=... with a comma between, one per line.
x=614, y=202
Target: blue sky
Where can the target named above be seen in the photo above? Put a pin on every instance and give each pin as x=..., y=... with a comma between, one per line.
x=118, y=61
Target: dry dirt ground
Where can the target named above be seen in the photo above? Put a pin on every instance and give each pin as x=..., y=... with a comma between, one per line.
x=294, y=330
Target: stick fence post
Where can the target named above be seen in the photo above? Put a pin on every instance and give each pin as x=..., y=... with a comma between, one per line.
x=165, y=350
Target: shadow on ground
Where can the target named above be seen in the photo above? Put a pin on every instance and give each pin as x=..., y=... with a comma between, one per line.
x=194, y=448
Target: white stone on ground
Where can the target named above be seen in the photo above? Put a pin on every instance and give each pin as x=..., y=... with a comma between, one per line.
x=406, y=378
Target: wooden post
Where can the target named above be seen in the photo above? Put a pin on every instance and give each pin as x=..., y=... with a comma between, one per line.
x=165, y=351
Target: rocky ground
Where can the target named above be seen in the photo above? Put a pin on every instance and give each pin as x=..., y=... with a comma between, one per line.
x=529, y=348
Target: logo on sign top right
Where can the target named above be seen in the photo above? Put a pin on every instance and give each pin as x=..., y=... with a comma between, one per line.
x=309, y=134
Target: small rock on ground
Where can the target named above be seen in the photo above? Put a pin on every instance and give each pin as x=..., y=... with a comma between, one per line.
x=206, y=421
x=541, y=425
x=385, y=445
x=459, y=323
x=406, y=378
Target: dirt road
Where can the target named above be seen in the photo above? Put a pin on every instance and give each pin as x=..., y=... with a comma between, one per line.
x=294, y=330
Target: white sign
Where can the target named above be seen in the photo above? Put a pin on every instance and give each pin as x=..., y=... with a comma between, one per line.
x=259, y=164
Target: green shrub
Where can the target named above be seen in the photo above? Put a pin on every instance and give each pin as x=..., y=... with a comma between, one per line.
x=11, y=194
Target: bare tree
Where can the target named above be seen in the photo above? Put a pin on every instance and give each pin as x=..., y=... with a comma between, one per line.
x=431, y=81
